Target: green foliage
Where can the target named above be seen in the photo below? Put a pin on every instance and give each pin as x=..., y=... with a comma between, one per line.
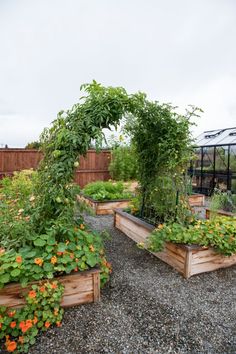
x=219, y=233
x=20, y=327
x=163, y=147
x=123, y=165
x=33, y=145
x=101, y=190
x=16, y=202
x=224, y=201
x=62, y=249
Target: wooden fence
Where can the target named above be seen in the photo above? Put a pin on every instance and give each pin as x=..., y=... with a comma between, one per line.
x=93, y=167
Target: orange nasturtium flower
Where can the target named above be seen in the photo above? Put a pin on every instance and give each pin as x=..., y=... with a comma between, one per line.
x=54, y=259
x=19, y=259
x=42, y=289
x=32, y=294
x=47, y=324
x=35, y=320
x=25, y=325
x=54, y=285
x=58, y=324
x=13, y=324
x=11, y=346
x=82, y=227
x=11, y=313
x=38, y=261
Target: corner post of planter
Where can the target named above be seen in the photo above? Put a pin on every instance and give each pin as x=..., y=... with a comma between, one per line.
x=188, y=263
x=96, y=286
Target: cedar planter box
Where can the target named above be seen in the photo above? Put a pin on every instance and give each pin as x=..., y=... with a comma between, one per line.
x=80, y=288
x=186, y=259
x=196, y=200
x=210, y=212
x=105, y=207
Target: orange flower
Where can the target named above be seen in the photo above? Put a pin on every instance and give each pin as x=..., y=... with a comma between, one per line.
x=13, y=324
x=55, y=312
x=21, y=339
x=58, y=324
x=38, y=261
x=160, y=226
x=35, y=320
x=92, y=249
x=76, y=269
x=42, y=289
x=54, y=259
x=60, y=253
x=72, y=255
x=25, y=325
x=11, y=346
x=82, y=227
x=0, y=325
x=32, y=294
x=47, y=324
x=54, y=285
x=19, y=259
x=11, y=314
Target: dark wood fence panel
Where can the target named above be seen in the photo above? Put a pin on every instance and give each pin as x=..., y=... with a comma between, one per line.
x=93, y=167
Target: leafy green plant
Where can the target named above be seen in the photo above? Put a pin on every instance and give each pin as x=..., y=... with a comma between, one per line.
x=19, y=327
x=123, y=165
x=219, y=233
x=101, y=190
x=223, y=200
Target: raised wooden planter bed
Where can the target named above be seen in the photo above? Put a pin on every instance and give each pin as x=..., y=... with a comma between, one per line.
x=210, y=212
x=80, y=288
x=186, y=259
x=196, y=200
x=105, y=207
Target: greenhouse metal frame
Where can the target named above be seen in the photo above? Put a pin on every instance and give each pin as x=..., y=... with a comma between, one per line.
x=215, y=164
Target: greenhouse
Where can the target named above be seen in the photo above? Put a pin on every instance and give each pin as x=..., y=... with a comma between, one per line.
x=215, y=162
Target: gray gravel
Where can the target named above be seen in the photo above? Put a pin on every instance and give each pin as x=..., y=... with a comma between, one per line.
x=148, y=308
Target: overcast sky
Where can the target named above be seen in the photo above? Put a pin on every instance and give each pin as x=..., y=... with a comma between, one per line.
x=181, y=51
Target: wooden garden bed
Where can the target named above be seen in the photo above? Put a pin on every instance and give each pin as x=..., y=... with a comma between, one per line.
x=186, y=259
x=80, y=288
x=105, y=207
x=196, y=200
x=210, y=212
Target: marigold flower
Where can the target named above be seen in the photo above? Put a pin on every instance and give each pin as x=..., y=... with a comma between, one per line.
x=11, y=346
x=19, y=259
x=82, y=227
x=13, y=324
x=54, y=259
x=32, y=294
x=47, y=324
x=38, y=261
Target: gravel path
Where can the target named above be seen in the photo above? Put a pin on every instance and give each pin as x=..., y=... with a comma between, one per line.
x=148, y=308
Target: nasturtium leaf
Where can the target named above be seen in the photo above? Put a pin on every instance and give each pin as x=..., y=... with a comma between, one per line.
x=4, y=278
x=48, y=267
x=39, y=242
x=15, y=272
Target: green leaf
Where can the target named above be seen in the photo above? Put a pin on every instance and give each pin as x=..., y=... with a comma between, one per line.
x=39, y=242
x=51, y=241
x=61, y=247
x=48, y=267
x=15, y=272
x=4, y=278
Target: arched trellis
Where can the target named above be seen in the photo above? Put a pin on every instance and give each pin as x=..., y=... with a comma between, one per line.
x=71, y=134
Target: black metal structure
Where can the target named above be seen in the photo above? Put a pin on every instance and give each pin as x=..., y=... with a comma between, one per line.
x=215, y=163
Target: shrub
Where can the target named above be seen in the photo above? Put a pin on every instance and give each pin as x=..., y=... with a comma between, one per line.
x=223, y=200
x=123, y=165
x=101, y=190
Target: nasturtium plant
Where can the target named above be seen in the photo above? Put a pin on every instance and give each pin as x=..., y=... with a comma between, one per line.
x=101, y=190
